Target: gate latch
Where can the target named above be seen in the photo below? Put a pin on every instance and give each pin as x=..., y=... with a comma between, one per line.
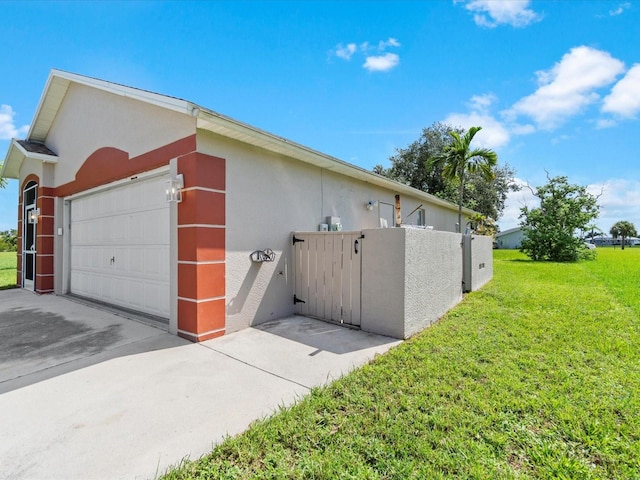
x=296, y=300
x=296, y=240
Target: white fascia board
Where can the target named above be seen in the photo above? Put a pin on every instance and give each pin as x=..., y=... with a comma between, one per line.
x=164, y=101
x=12, y=162
x=228, y=127
x=507, y=232
x=36, y=115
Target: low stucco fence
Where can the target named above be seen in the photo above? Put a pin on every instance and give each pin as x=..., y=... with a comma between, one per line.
x=411, y=277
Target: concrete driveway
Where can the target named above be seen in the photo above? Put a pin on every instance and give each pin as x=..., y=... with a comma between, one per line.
x=88, y=394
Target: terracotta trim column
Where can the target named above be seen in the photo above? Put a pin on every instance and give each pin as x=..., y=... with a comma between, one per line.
x=201, y=248
x=45, y=240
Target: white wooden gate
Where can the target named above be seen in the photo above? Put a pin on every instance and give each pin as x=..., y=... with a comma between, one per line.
x=327, y=275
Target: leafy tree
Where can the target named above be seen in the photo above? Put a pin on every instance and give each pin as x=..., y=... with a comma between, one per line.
x=458, y=158
x=410, y=166
x=623, y=229
x=483, y=225
x=8, y=241
x=489, y=196
x=550, y=229
x=592, y=231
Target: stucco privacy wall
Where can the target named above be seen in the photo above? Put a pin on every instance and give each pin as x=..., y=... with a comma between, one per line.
x=481, y=261
x=410, y=278
x=267, y=197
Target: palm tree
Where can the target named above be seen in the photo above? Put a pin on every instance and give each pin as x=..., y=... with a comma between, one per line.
x=623, y=229
x=457, y=159
x=593, y=228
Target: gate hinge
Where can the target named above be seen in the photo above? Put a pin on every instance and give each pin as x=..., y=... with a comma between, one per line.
x=296, y=300
x=296, y=240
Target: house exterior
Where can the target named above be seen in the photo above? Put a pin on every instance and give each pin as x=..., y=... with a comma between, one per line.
x=603, y=241
x=96, y=218
x=510, y=239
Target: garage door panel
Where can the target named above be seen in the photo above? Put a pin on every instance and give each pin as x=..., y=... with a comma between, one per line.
x=120, y=246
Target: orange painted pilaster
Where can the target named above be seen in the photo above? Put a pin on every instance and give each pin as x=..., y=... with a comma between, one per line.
x=201, y=248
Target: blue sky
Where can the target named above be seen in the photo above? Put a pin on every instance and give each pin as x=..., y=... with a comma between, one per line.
x=555, y=85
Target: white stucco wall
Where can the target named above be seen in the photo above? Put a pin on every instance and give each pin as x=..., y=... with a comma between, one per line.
x=268, y=196
x=384, y=281
x=90, y=119
x=481, y=262
x=510, y=239
x=410, y=278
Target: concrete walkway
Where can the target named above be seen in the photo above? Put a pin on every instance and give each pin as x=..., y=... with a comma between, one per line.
x=87, y=394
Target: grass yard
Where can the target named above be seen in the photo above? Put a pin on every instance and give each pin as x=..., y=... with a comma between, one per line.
x=535, y=376
x=8, y=269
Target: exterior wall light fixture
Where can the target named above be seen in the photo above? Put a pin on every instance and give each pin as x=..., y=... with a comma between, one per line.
x=173, y=189
x=370, y=204
x=32, y=216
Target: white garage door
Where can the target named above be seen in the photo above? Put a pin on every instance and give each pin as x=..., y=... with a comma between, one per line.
x=120, y=246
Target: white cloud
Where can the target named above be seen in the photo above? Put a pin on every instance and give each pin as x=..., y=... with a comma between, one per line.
x=481, y=103
x=605, y=123
x=381, y=63
x=493, y=133
x=515, y=201
x=624, y=99
x=8, y=129
x=376, y=60
x=491, y=13
x=345, y=52
x=620, y=200
x=518, y=129
x=568, y=87
x=392, y=42
x=621, y=8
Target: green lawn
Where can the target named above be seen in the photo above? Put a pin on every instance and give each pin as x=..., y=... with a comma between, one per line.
x=535, y=376
x=8, y=269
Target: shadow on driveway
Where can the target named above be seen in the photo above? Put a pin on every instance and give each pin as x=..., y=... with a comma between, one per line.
x=42, y=336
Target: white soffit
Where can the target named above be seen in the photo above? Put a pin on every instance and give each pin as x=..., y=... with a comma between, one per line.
x=12, y=162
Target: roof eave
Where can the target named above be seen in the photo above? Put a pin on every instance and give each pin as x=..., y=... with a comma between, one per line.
x=58, y=84
x=225, y=126
x=12, y=162
x=17, y=155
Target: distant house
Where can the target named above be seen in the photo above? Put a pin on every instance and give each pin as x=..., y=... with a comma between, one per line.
x=603, y=241
x=157, y=205
x=510, y=239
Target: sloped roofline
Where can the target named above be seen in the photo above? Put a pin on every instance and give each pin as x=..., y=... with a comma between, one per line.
x=507, y=232
x=59, y=81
